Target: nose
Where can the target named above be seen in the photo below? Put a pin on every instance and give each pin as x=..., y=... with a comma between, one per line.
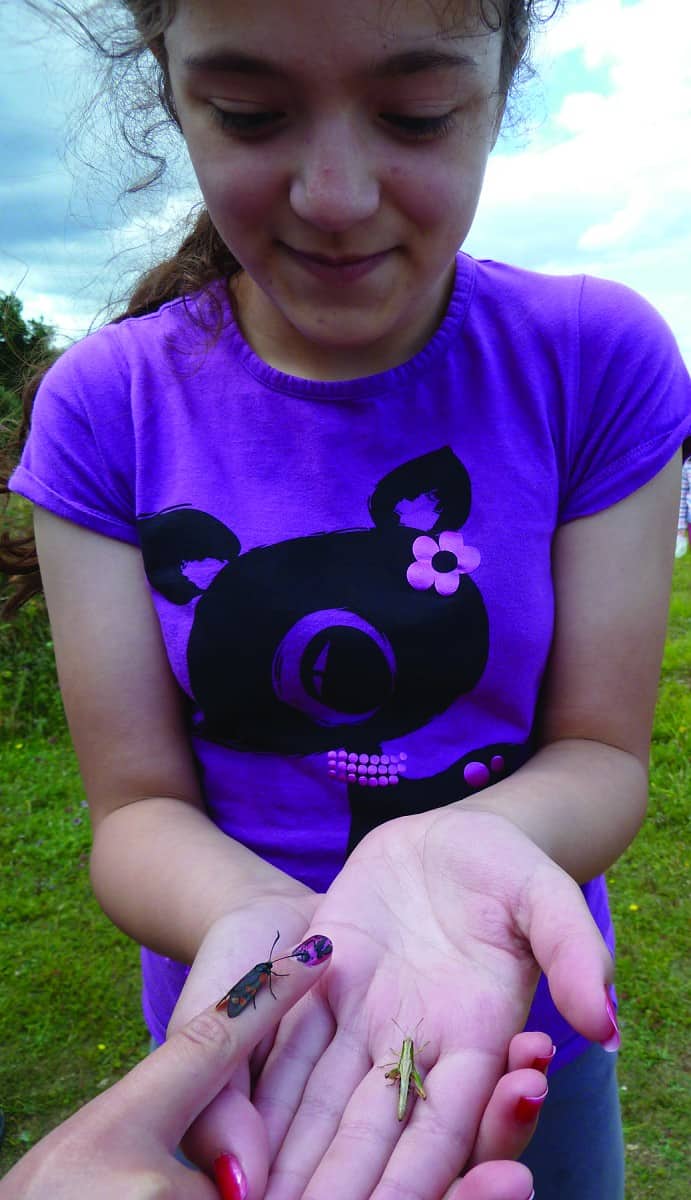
x=334, y=187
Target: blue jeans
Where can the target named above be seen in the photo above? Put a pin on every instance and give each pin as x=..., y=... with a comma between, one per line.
x=577, y=1152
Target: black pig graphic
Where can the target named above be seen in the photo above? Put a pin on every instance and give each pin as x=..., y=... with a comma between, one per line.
x=339, y=642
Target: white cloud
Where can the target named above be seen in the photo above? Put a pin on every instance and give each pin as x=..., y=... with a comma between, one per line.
x=606, y=185
x=603, y=186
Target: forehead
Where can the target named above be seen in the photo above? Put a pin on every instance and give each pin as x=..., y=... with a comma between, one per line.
x=336, y=31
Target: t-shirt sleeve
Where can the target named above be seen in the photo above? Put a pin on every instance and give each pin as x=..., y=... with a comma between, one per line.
x=633, y=405
x=79, y=459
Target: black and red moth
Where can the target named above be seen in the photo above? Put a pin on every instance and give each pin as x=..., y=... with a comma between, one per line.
x=239, y=996
x=311, y=952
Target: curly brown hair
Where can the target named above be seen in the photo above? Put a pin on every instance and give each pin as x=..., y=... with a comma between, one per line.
x=138, y=80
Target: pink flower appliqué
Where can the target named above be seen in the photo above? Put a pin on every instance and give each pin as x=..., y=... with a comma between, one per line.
x=441, y=565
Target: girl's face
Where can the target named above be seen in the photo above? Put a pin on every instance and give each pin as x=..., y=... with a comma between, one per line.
x=340, y=146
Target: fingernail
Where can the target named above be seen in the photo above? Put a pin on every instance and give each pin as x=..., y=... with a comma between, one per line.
x=541, y=1064
x=230, y=1178
x=613, y=1042
x=314, y=950
x=528, y=1107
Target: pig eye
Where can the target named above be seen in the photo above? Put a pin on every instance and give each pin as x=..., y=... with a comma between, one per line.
x=335, y=667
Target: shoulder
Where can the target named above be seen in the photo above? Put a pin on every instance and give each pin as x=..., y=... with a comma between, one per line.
x=180, y=327
x=596, y=329
x=596, y=303
x=618, y=391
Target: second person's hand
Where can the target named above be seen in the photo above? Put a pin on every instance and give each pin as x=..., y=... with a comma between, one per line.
x=120, y=1146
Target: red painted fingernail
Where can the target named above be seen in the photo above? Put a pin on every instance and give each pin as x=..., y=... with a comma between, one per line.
x=230, y=1178
x=541, y=1064
x=528, y=1107
x=613, y=1042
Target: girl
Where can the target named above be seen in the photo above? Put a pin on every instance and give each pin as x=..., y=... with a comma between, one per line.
x=321, y=670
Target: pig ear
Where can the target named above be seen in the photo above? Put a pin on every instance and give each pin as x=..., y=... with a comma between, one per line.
x=431, y=493
x=183, y=551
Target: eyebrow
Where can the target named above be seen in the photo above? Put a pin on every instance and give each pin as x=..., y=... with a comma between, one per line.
x=408, y=62
x=411, y=62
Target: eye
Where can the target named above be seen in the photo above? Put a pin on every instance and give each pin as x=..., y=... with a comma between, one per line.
x=420, y=128
x=245, y=124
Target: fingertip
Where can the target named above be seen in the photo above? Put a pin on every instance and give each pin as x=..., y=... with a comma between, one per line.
x=578, y=980
x=530, y=1048
x=231, y=1180
x=511, y=1116
x=499, y=1180
x=228, y=1141
x=612, y=1041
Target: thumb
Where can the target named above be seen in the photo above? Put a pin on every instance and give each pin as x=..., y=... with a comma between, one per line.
x=172, y=1086
x=570, y=949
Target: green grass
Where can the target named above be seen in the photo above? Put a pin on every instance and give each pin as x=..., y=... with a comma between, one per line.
x=69, y=1012
x=69, y=1018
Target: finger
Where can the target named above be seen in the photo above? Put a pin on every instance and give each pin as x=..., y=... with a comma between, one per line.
x=303, y=1038
x=183, y=1075
x=530, y=1049
x=371, y=1157
x=336, y=1078
x=571, y=952
x=494, y=1181
x=441, y=1131
x=511, y=1116
x=230, y=1126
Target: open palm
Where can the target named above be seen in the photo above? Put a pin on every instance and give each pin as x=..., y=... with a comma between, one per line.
x=438, y=921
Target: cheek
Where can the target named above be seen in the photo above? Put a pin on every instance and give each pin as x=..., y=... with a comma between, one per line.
x=236, y=190
x=438, y=196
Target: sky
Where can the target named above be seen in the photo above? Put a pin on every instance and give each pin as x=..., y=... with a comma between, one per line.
x=594, y=176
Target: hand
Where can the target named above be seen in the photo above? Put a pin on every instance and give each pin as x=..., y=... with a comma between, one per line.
x=121, y=1144
x=438, y=919
x=230, y=949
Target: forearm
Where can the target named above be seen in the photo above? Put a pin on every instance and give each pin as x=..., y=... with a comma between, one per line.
x=164, y=873
x=582, y=802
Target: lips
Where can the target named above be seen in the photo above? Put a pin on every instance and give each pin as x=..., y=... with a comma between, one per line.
x=346, y=260
x=344, y=268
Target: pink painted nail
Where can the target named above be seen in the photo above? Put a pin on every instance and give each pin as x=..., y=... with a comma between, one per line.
x=314, y=950
x=613, y=1042
x=230, y=1178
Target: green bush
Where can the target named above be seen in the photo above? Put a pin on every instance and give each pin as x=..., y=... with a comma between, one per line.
x=30, y=704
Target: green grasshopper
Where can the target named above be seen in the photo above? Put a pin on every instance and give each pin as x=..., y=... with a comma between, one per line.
x=404, y=1070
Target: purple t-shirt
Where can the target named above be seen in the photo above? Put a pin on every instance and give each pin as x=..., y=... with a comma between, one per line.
x=353, y=578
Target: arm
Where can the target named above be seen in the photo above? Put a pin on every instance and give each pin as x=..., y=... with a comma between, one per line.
x=159, y=867
x=583, y=796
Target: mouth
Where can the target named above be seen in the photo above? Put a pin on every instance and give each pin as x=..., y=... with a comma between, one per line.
x=342, y=268
x=345, y=260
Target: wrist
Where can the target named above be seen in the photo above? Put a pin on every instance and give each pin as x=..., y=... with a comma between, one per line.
x=580, y=802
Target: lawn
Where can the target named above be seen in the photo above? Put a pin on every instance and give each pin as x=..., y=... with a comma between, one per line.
x=69, y=1017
